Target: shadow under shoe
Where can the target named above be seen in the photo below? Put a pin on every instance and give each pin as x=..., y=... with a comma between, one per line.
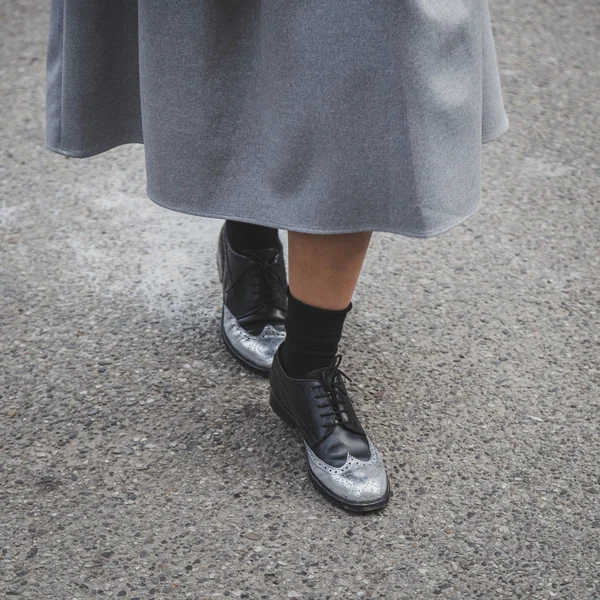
x=343, y=462
x=254, y=303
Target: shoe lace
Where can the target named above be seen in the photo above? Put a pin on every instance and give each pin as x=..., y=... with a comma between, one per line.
x=335, y=392
x=267, y=278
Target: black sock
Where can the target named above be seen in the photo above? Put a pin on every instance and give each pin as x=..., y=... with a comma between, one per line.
x=247, y=236
x=312, y=336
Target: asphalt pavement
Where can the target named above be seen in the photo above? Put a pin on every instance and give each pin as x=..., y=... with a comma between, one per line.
x=139, y=460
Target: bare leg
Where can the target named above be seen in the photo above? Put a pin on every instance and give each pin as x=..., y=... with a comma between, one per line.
x=324, y=269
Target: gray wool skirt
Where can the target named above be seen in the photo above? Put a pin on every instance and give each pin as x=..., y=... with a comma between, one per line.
x=320, y=116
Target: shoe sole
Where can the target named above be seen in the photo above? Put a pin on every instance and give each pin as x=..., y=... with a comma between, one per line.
x=288, y=419
x=240, y=359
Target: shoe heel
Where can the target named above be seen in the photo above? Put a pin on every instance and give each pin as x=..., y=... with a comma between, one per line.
x=283, y=414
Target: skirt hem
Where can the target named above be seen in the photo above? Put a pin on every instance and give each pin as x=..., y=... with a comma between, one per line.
x=93, y=150
x=101, y=148
x=301, y=229
x=498, y=133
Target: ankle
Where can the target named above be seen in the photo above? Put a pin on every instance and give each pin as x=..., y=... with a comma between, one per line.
x=248, y=236
x=312, y=337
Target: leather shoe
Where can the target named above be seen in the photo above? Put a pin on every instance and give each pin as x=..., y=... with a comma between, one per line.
x=254, y=303
x=343, y=462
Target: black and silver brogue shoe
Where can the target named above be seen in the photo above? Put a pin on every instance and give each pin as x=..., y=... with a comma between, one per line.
x=254, y=303
x=343, y=462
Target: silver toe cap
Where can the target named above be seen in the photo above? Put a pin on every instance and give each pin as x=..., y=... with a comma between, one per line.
x=356, y=481
x=257, y=350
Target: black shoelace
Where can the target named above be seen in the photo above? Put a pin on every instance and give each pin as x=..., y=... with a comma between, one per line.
x=334, y=391
x=267, y=279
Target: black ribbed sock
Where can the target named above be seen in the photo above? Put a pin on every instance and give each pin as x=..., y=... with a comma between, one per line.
x=247, y=236
x=312, y=336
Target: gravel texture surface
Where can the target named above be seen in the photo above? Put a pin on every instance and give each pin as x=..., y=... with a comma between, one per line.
x=138, y=460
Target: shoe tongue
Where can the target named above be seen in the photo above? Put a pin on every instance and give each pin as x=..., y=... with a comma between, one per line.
x=320, y=373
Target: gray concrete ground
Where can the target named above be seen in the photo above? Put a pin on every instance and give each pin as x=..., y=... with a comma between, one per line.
x=140, y=461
